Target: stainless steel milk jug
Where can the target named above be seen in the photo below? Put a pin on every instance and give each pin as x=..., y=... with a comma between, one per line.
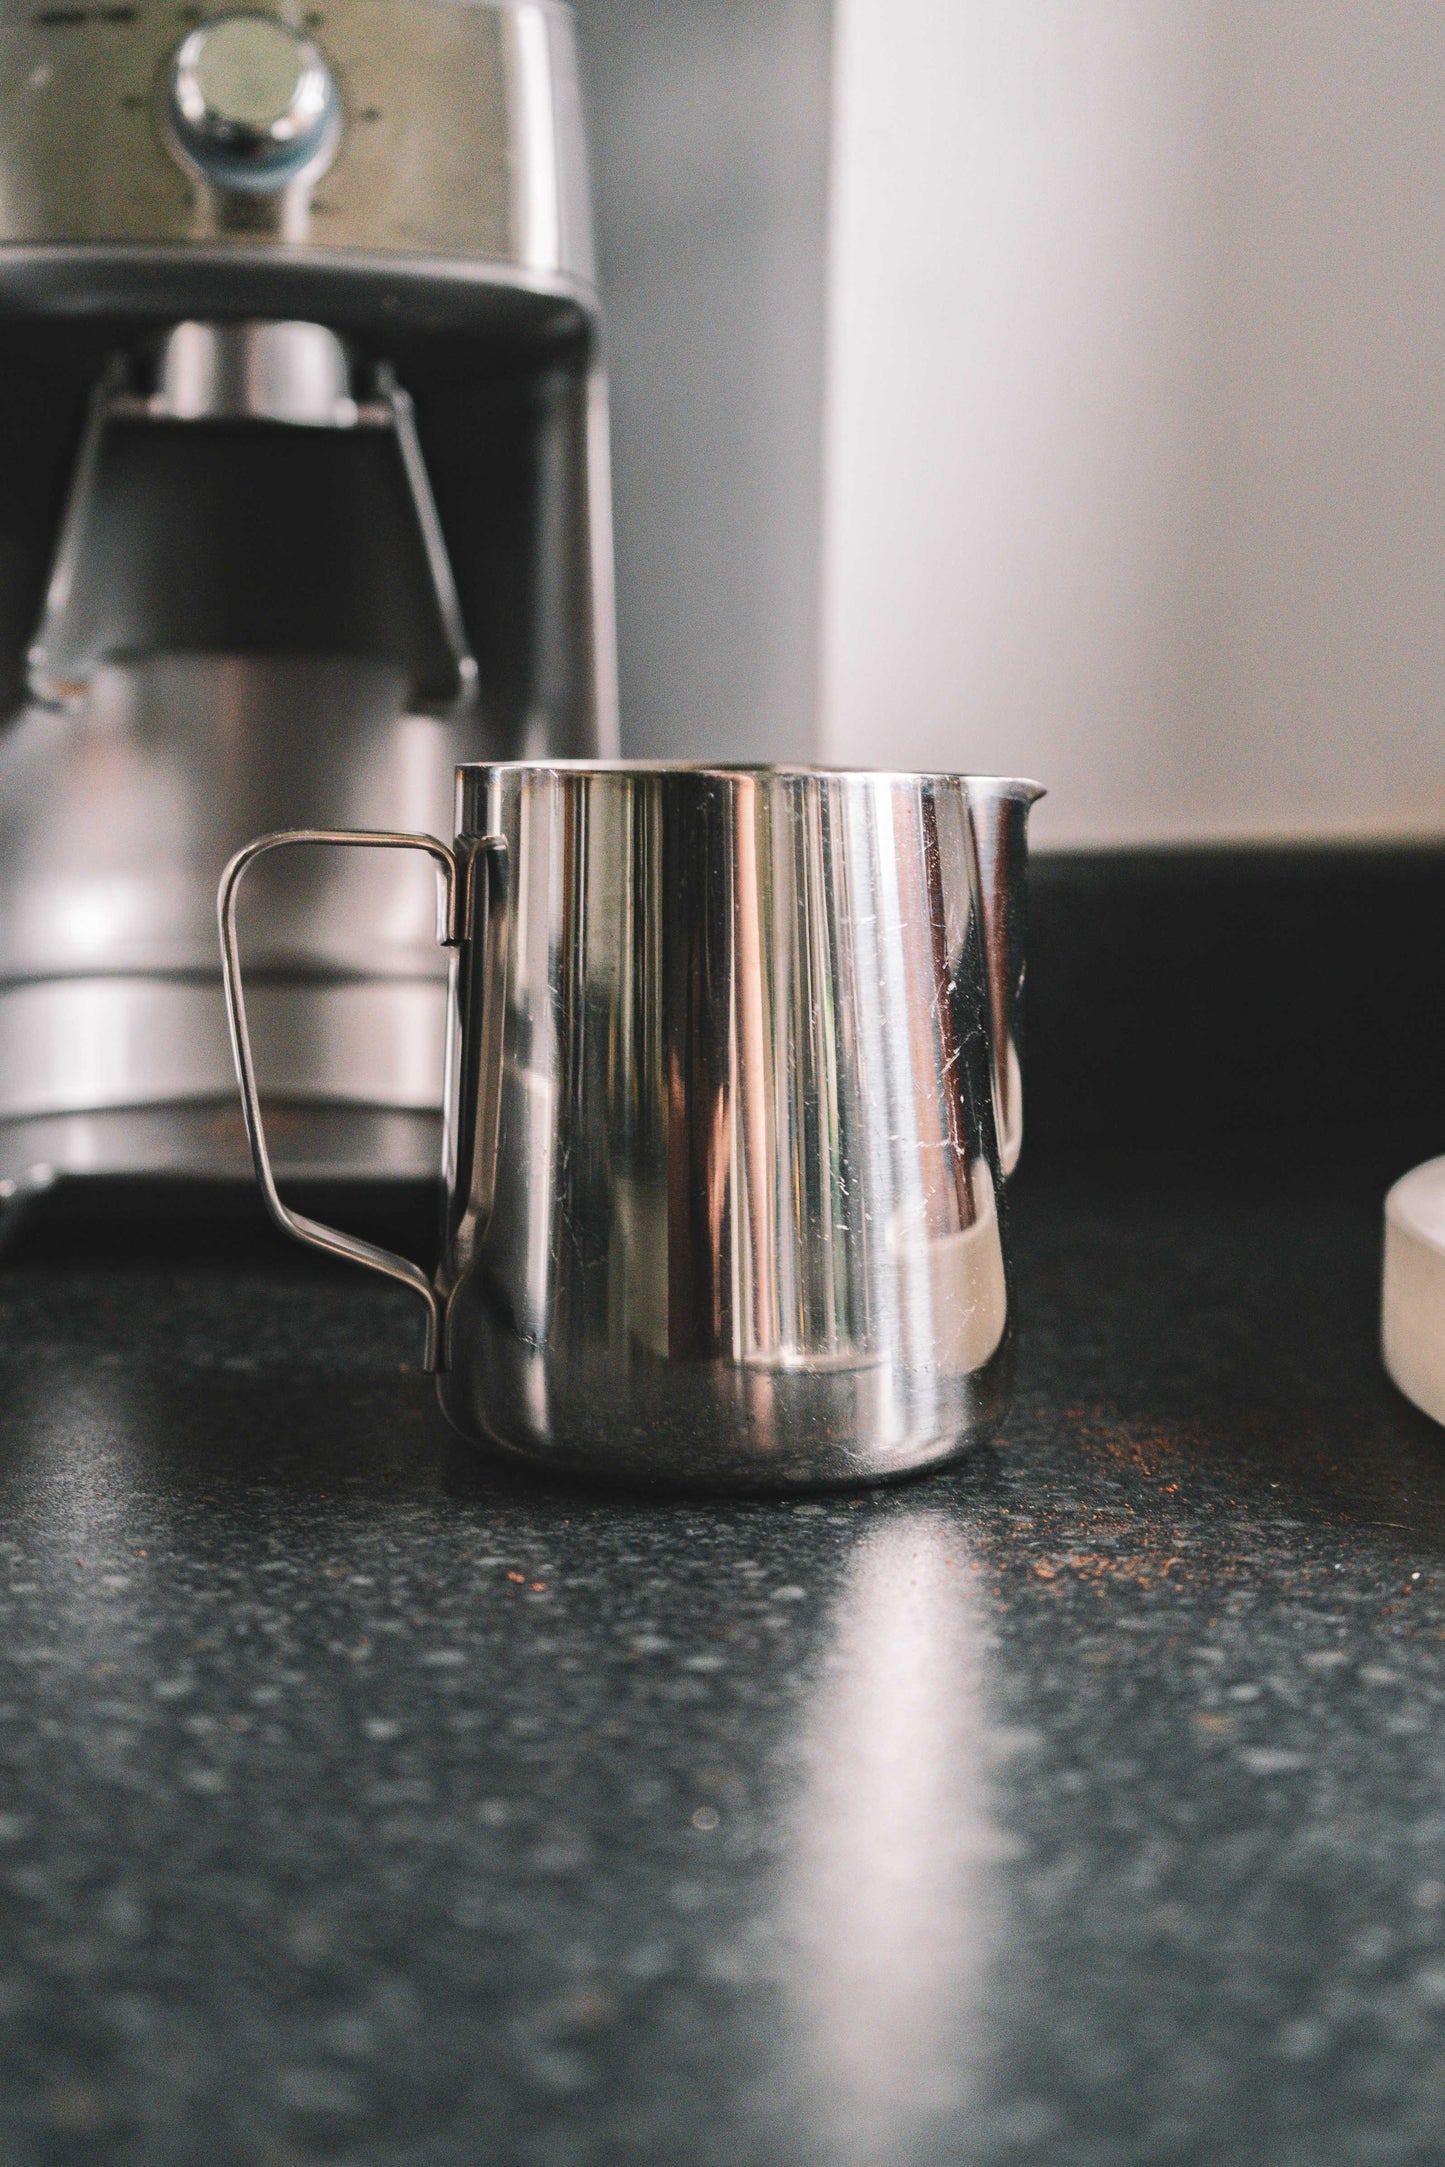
x=733, y=1091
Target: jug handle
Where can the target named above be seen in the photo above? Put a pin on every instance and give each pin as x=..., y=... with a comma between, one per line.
x=450, y=927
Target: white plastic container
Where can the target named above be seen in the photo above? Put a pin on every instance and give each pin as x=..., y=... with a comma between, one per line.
x=1413, y=1302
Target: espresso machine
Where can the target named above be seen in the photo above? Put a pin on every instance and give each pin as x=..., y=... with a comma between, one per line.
x=303, y=500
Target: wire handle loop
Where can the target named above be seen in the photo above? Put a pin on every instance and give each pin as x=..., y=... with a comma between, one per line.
x=450, y=930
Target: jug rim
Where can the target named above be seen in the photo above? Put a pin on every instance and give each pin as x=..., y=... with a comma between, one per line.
x=1021, y=787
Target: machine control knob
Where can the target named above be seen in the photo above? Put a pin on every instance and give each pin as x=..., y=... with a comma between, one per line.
x=252, y=103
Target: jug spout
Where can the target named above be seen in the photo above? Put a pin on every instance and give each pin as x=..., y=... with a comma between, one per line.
x=999, y=810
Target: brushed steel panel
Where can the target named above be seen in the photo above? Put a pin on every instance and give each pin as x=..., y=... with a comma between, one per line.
x=72, y=1045
x=460, y=137
x=115, y=821
x=206, y=1139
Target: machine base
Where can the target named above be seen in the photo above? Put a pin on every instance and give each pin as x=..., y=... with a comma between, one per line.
x=201, y=1145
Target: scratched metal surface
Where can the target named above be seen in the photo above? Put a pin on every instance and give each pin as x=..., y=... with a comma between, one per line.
x=365, y=1803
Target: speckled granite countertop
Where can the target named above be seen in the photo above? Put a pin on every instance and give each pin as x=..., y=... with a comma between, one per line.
x=1086, y=1803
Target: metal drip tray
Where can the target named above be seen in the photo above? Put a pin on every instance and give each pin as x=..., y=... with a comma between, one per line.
x=340, y=1143
x=85, y=1045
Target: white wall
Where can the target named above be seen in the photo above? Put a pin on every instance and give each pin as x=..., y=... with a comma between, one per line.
x=709, y=124
x=1135, y=439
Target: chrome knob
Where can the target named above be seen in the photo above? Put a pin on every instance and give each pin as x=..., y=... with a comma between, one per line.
x=252, y=103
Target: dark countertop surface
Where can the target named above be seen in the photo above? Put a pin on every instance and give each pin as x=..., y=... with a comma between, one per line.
x=363, y=1802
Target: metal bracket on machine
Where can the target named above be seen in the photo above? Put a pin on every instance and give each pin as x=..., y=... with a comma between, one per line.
x=250, y=503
